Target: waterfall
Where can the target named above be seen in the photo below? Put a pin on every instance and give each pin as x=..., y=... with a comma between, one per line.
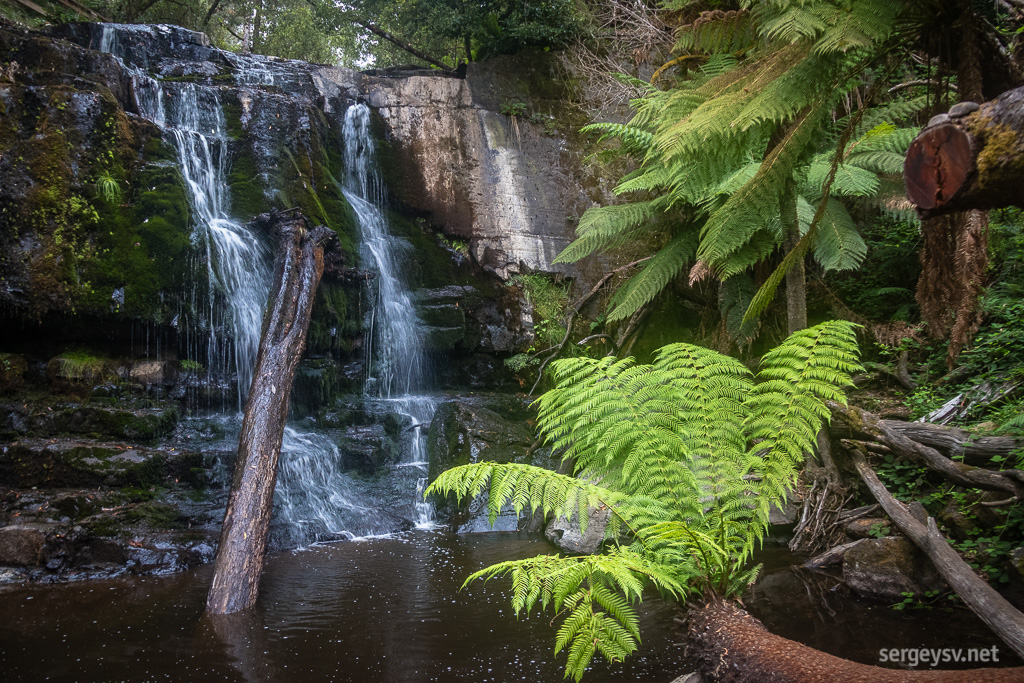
x=394, y=354
x=236, y=260
x=314, y=499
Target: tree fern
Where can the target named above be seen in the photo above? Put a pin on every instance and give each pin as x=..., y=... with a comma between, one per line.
x=726, y=140
x=690, y=452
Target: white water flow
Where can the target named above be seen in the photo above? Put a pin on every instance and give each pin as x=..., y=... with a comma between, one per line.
x=394, y=352
x=236, y=260
x=314, y=499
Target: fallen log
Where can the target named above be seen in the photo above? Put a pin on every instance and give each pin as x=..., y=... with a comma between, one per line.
x=243, y=539
x=957, y=443
x=731, y=646
x=830, y=557
x=991, y=607
x=866, y=425
x=970, y=158
x=950, y=441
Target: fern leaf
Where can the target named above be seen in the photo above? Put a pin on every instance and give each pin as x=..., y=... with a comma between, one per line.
x=656, y=275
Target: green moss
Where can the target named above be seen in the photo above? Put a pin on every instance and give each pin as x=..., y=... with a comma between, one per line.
x=998, y=152
x=80, y=365
x=157, y=516
x=549, y=299
x=144, y=248
x=335, y=320
x=248, y=199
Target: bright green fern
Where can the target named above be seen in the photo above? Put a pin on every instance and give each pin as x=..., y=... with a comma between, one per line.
x=715, y=153
x=688, y=454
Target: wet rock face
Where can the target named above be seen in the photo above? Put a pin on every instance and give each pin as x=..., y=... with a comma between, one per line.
x=885, y=568
x=468, y=430
x=491, y=157
x=476, y=429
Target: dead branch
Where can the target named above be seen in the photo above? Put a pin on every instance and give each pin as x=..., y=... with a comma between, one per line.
x=992, y=608
x=865, y=424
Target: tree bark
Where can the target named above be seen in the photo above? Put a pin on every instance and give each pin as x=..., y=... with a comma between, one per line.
x=796, y=277
x=864, y=424
x=969, y=159
x=991, y=607
x=950, y=441
x=243, y=539
x=731, y=646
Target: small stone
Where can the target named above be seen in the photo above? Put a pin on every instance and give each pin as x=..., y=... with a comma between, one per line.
x=937, y=119
x=963, y=109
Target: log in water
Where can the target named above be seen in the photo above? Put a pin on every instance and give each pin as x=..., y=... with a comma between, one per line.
x=243, y=539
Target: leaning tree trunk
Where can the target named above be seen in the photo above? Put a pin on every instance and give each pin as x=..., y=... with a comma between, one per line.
x=971, y=158
x=243, y=539
x=731, y=646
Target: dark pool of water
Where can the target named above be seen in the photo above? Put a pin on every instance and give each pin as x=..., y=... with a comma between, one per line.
x=390, y=610
x=378, y=610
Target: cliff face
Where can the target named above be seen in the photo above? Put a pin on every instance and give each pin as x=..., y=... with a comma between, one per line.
x=116, y=315
x=492, y=157
x=95, y=220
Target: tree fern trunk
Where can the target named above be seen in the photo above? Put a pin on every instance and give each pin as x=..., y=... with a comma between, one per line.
x=796, y=278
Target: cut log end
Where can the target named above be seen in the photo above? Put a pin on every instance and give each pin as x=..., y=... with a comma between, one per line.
x=938, y=164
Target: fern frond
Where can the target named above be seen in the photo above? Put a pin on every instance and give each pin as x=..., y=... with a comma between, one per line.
x=839, y=245
x=523, y=485
x=656, y=275
x=787, y=406
x=606, y=227
x=635, y=138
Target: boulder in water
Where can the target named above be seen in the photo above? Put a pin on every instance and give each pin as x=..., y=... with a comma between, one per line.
x=567, y=535
x=886, y=568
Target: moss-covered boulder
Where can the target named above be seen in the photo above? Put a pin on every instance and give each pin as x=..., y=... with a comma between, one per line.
x=12, y=372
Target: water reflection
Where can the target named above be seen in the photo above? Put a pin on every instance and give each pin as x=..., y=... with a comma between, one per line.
x=390, y=610
x=379, y=610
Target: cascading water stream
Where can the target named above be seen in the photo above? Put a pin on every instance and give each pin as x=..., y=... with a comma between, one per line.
x=236, y=260
x=394, y=354
x=314, y=499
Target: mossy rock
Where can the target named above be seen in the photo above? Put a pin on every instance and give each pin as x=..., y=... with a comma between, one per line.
x=334, y=325
x=48, y=463
x=463, y=432
x=12, y=372
x=105, y=422
x=318, y=382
